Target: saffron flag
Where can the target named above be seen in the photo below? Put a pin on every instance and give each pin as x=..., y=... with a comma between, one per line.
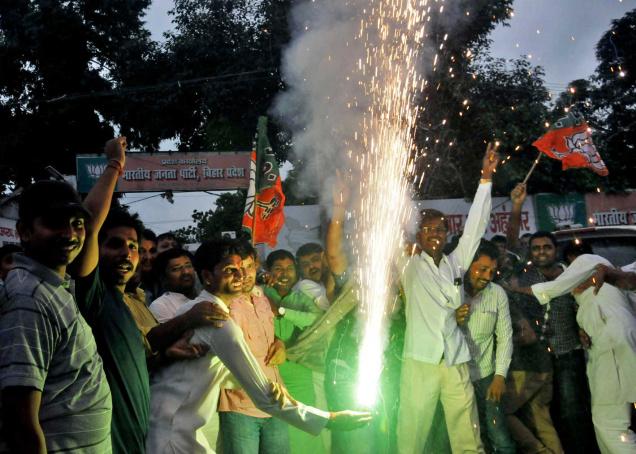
x=570, y=141
x=264, y=217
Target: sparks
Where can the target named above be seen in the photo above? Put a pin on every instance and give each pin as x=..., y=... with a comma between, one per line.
x=386, y=133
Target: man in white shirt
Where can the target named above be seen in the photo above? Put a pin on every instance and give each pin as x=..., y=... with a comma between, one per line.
x=184, y=395
x=436, y=355
x=176, y=273
x=610, y=321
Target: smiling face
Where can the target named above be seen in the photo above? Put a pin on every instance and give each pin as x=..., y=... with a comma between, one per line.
x=53, y=241
x=432, y=236
x=481, y=272
x=542, y=252
x=118, y=256
x=313, y=266
x=226, y=280
x=284, y=275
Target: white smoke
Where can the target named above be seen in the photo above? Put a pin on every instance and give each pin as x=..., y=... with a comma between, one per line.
x=324, y=104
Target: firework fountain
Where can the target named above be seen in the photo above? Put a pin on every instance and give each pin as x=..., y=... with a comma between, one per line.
x=352, y=77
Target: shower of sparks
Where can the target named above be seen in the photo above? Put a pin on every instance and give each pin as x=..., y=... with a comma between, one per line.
x=397, y=31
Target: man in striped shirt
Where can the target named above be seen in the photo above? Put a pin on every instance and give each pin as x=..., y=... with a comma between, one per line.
x=484, y=318
x=55, y=394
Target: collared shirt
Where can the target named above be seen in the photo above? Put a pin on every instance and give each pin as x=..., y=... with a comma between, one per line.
x=558, y=326
x=433, y=293
x=253, y=314
x=121, y=345
x=488, y=323
x=166, y=306
x=46, y=344
x=610, y=321
x=185, y=394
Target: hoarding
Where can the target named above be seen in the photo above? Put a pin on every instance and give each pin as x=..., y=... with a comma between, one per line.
x=158, y=172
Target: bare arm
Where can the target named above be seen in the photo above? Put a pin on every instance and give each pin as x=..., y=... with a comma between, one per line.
x=517, y=196
x=20, y=410
x=98, y=202
x=335, y=232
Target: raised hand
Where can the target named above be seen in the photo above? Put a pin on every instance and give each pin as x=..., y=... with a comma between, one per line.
x=115, y=150
x=490, y=161
x=340, y=191
x=518, y=194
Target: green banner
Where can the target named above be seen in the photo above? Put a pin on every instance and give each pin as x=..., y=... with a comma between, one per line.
x=556, y=211
x=89, y=169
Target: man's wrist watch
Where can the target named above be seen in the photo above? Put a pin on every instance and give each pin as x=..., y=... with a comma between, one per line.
x=281, y=312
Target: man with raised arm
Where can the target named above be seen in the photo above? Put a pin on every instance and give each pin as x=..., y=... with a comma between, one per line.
x=126, y=333
x=560, y=389
x=610, y=321
x=435, y=354
x=184, y=395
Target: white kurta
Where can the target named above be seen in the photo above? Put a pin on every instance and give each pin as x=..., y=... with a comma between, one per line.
x=434, y=292
x=184, y=395
x=610, y=321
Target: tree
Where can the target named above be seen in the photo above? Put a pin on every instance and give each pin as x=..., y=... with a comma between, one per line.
x=615, y=101
x=607, y=100
x=50, y=51
x=227, y=216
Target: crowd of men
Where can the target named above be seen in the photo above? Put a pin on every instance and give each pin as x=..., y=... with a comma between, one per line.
x=114, y=339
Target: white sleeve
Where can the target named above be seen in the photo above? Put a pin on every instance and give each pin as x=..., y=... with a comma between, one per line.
x=575, y=274
x=161, y=311
x=229, y=345
x=475, y=227
x=315, y=291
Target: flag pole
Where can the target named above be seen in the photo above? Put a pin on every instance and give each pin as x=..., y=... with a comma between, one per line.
x=536, y=161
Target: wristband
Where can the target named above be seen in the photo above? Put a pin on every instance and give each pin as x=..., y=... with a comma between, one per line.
x=115, y=164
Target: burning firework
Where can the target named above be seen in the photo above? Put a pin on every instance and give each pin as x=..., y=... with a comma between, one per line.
x=392, y=33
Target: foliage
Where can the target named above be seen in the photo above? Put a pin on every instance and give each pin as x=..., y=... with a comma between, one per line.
x=227, y=216
x=49, y=52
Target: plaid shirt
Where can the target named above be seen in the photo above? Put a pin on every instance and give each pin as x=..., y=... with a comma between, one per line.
x=559, y=325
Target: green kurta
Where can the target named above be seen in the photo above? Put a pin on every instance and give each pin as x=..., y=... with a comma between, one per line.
x=300, y=313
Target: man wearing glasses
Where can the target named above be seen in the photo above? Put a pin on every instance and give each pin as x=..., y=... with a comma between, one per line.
x=436, y=355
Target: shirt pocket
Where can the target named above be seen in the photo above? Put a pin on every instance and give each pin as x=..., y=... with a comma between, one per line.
x=484, y=321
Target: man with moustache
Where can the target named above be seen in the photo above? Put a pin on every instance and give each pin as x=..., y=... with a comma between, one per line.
x=316, y=279
x=54, y=393
x=562, y=394
x=243, y=426
x=436, y=355
x=185, y=394
x=484, y=318
x=126, y=333
x=176, y=273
